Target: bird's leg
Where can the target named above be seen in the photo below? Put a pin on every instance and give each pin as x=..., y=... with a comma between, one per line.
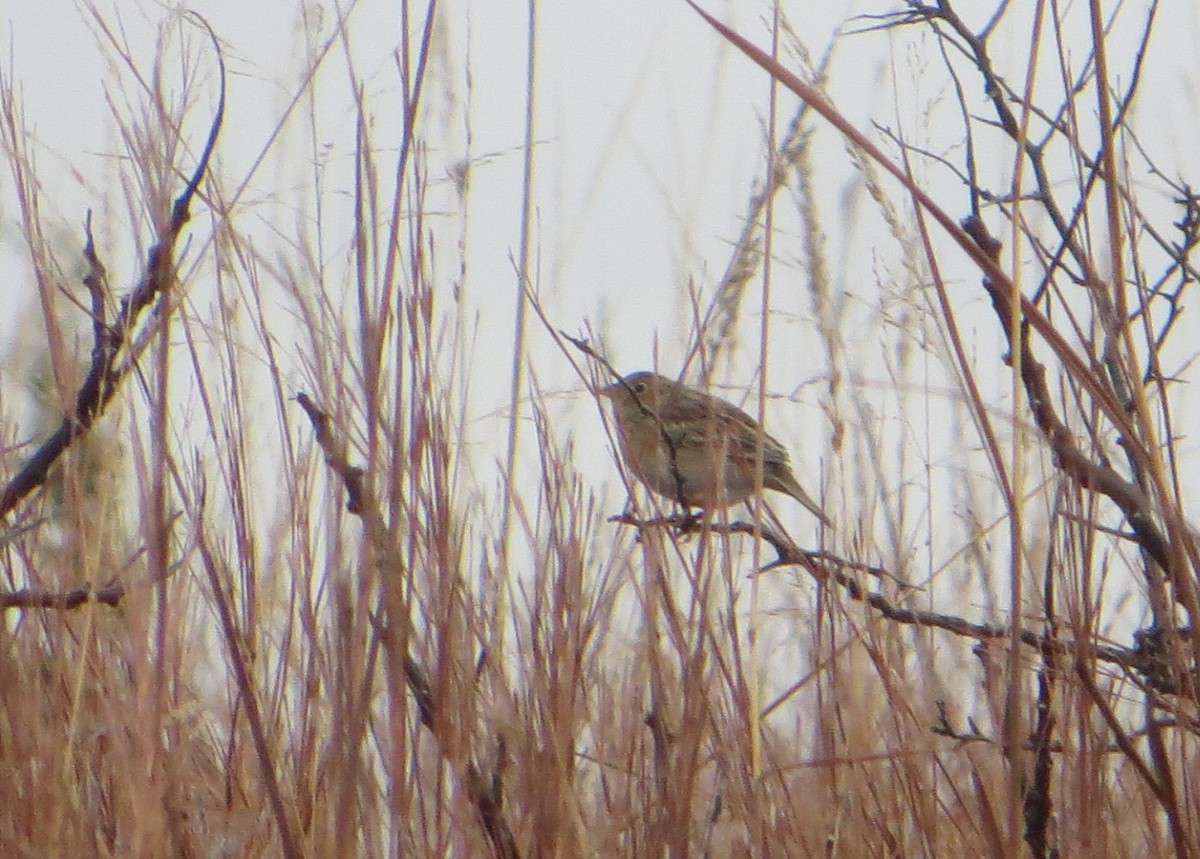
x=689, y=520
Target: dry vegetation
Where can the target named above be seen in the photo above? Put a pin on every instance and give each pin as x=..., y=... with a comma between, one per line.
x=368, y=654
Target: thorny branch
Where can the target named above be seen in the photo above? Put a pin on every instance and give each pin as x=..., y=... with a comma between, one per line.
x=1130, y=496
x=486, y=791
x=827, y=567
x=1133, y=501
x=1083, y=470
x=105, y=374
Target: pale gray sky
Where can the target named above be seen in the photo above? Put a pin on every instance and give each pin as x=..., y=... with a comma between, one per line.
x=650, y=135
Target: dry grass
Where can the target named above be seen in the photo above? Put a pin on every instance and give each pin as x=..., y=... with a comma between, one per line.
x=242, y=622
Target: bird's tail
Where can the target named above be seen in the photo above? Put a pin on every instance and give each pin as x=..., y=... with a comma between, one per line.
x=789, y=485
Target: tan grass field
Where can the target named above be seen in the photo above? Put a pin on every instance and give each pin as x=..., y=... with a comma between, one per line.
x=274, y=583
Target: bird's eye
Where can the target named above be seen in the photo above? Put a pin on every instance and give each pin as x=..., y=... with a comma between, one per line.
x=639, y=387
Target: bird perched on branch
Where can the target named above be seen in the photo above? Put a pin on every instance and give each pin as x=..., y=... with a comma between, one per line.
x=694, y=448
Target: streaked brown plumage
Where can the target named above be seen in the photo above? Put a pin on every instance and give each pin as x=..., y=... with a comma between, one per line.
x=673, y=437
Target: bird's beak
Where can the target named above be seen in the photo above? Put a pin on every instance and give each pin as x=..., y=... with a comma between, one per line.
x=612, y=390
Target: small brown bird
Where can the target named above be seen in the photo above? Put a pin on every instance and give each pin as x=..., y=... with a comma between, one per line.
x=674, y=437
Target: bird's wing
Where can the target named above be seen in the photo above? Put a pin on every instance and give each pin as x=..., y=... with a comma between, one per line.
x=720, y=424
